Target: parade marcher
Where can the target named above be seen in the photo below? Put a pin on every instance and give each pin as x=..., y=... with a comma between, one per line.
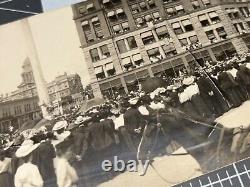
x=134, y=124
x=230, y=88
x=27, y=175
x=243, y=78
x=6, y=179
x=209, y=95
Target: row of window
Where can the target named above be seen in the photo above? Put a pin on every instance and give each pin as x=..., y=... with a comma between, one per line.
x=142, y=6
x=104, y=71
x=198, y=3
x=116, y=15
x=217, y=34
x=236, y=13
x=209, y=19
x=146, y=19
x=99, y=53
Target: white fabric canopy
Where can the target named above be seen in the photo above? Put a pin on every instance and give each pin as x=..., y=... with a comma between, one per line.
x=110, y=14
x=91, y=5
x=109, y=66
x=179, y=7
x=213, y=14
x=202, y=17
x=119, y=11
x=126, y=61
x=186, y=22
x=146, y=34
x=176, y=25
x=98, y=70
x=95, y=19
x=137, y=57
x=84, y=23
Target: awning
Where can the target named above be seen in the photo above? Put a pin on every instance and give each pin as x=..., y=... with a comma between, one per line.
x=95, y=19
x=161, y=30
x=203, y=17
x=89, y=6
x=213, y=14
x=176, y=25
x=94, y=52
x=206, y=1
x=153, y=51
x=134, y=7
x=196, y=3
x=168, y=48
x=84, y=23
x=105, y=1
x=98, y=70
x=142, y=4
x=148, y=18
x=229, y=10
x=139, y=20
x=151, y=2
x=109, y=66
x=186, y=22
x=125, y=25
x=119, y=11
x=170, y=10
x=179, y=7
x=156, y=15
x=116, y=28
x=193, y=39
x=110, y=14
x=126, y=61
x=104, y=49
x=137, y=57
x=146, y=34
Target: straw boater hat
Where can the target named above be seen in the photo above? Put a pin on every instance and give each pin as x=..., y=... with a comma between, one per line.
x=188, y=81
x=60, y=125
x=26, y=148
x=133, y=101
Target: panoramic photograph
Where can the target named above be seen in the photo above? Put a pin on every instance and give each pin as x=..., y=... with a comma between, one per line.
x=114, y=93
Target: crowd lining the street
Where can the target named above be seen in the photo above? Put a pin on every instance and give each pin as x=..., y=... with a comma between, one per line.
x=56, y=154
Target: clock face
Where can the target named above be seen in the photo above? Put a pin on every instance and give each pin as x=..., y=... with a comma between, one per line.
x=12, y=10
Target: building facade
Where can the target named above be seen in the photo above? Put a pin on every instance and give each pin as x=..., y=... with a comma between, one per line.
x=63, y=87
x=16, y=112
x=125, y=41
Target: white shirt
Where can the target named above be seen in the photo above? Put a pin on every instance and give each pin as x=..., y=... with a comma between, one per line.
x=233, y=72
x=119, y=121
x=28, y=175
x=65, y=173
x=156, y=106
x=143, y=110
x=5, y=165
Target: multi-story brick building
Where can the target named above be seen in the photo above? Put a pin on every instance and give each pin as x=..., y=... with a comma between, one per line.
x=125, y=41
x=16, y=112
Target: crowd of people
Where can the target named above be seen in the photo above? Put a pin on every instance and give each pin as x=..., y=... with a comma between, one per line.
x=136, y=124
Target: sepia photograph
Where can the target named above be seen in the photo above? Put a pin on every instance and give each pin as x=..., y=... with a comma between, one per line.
x=107, y=93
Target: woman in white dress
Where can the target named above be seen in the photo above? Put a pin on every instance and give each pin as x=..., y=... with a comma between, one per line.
x=27, y=174
x=6, y=179
x=66, y=175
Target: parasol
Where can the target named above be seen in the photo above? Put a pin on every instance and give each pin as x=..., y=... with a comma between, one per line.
x=44, y=123
x=152, y=83
x=91, y=103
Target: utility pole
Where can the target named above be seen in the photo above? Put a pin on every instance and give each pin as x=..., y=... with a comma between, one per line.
x=40, y=82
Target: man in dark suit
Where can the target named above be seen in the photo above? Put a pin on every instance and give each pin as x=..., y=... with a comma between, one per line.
x=243, y=78
x=134, y=124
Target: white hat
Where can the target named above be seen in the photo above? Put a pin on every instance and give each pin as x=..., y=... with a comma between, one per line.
x=133, y=101
x=26, y=148
x=188, y=81
x=60, y=125
x=80, y=120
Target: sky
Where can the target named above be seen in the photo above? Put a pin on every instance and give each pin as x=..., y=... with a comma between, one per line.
x=57, y=43
x=53, y=4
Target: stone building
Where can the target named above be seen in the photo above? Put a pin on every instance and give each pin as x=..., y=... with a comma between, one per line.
x=125, y=41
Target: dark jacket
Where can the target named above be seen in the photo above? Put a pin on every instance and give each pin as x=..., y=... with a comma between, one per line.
x=243, y=75
x=133, y=119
